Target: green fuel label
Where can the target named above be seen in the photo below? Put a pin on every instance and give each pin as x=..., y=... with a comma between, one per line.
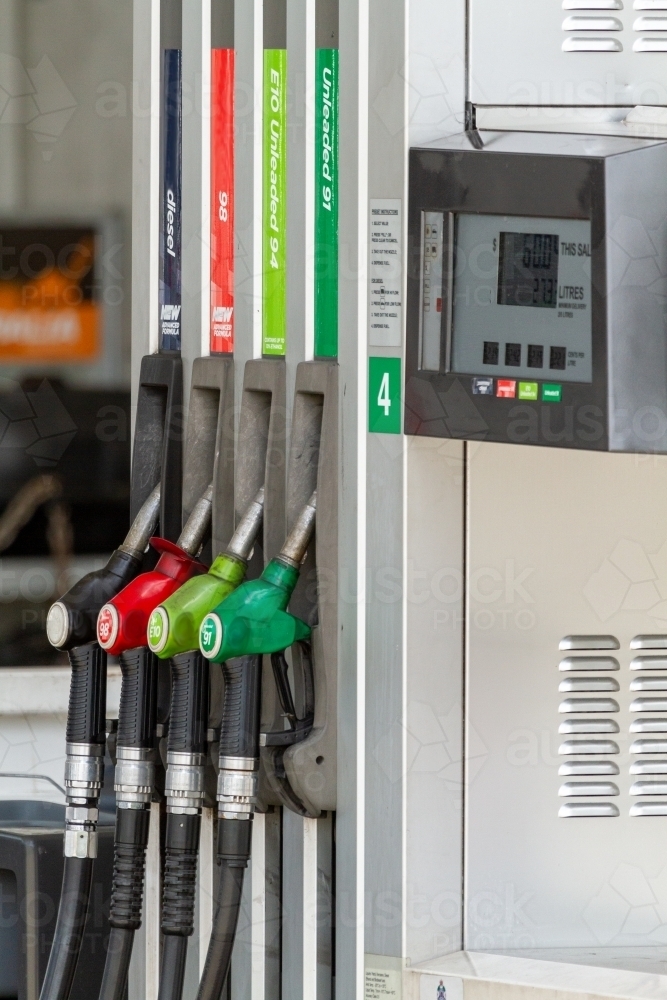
x=274, y=322
x=326, y=203
x=384, y=395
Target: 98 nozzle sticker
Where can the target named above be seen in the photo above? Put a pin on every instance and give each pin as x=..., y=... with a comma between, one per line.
x=107, y=626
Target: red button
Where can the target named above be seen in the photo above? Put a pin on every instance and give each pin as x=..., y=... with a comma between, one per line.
x=506, y=387
x=438, y=305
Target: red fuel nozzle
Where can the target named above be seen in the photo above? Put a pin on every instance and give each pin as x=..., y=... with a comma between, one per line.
x=122, y=622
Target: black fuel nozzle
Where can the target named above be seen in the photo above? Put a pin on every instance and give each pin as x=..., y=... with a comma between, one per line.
x=72, y=620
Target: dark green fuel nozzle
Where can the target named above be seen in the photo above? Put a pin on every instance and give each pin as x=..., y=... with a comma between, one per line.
x=253, y=619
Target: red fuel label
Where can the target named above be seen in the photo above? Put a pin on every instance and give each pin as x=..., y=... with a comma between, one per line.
x=222, y=201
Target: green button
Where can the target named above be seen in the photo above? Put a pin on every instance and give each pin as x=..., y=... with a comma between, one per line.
x=528, y=390
x=552, y=392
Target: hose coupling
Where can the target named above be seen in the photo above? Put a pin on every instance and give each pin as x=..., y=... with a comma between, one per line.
x=237, y=787
x=81, y=832
x=84, y=771
x=184, y=785
x=134, y=777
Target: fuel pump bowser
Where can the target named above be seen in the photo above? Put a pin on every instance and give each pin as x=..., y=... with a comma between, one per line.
x=536, y=316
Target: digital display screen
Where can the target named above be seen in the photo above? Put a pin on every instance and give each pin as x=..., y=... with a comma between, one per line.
x=503, y=264
x=528, y=270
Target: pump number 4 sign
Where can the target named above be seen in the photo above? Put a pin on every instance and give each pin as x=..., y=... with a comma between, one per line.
x=384, y=395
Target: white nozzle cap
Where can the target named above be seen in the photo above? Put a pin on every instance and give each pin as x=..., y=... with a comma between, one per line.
x=107, y=626
x=57, y=624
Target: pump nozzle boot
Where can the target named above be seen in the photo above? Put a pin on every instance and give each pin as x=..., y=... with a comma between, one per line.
x=71, y=621
x=121, y=623
x=253, y=619
x=174, y=625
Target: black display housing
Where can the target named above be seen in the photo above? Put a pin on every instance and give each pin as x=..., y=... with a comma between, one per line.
x=620, y=185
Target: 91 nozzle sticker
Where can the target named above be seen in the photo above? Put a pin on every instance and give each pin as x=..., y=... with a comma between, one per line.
x=210, y=636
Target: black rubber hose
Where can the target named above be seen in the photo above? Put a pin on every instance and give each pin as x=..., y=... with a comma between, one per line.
x=136, y=728
x=119, y=953
x=239, y=737
x=77, y=879
x=189, y=703
x=241, y=707
x=180, y=874
x=137, y=713
x=129, y=863
x=172, y=969
x=234, y=839
x=87, y=695
x=187, y=734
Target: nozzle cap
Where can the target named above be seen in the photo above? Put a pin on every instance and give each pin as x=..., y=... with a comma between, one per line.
x=158, y=630
x=57, y=624
x=210, y=636
x=107, y=626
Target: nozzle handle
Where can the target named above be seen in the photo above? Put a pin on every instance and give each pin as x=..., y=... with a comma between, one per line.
x=189, y=703
x=245, y=536
x=137, y=714
x=297, y=541
x=87, y=695
x=239, y=730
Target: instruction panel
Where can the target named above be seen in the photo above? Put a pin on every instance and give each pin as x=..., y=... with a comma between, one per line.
x=385, y=268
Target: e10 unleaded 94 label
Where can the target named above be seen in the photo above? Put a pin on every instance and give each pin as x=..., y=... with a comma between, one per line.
x=274, y=249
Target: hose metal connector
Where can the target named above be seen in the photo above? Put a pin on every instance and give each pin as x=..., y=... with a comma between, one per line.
x=296, y=543
x=184, y=784
x=84, y=771
x=134, y=777
x=81, y=832
x=237, y=787
x=143, y=525
x=197, y=524
x=243, y=539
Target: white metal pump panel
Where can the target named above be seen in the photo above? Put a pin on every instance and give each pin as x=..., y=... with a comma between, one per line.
x=574, y=52
x=566, y=748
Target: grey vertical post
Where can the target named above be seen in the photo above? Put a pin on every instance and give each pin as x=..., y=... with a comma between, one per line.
x=144, y=968
x=145, y=184
x=353, y=239
x=299, y=869
x=384, y=874
x=434, y=614
x=196, y=193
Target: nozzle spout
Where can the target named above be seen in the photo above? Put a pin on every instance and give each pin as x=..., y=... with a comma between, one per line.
x=143, y=526
x=196, y=525
x=297, y=541
x=247, y=529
